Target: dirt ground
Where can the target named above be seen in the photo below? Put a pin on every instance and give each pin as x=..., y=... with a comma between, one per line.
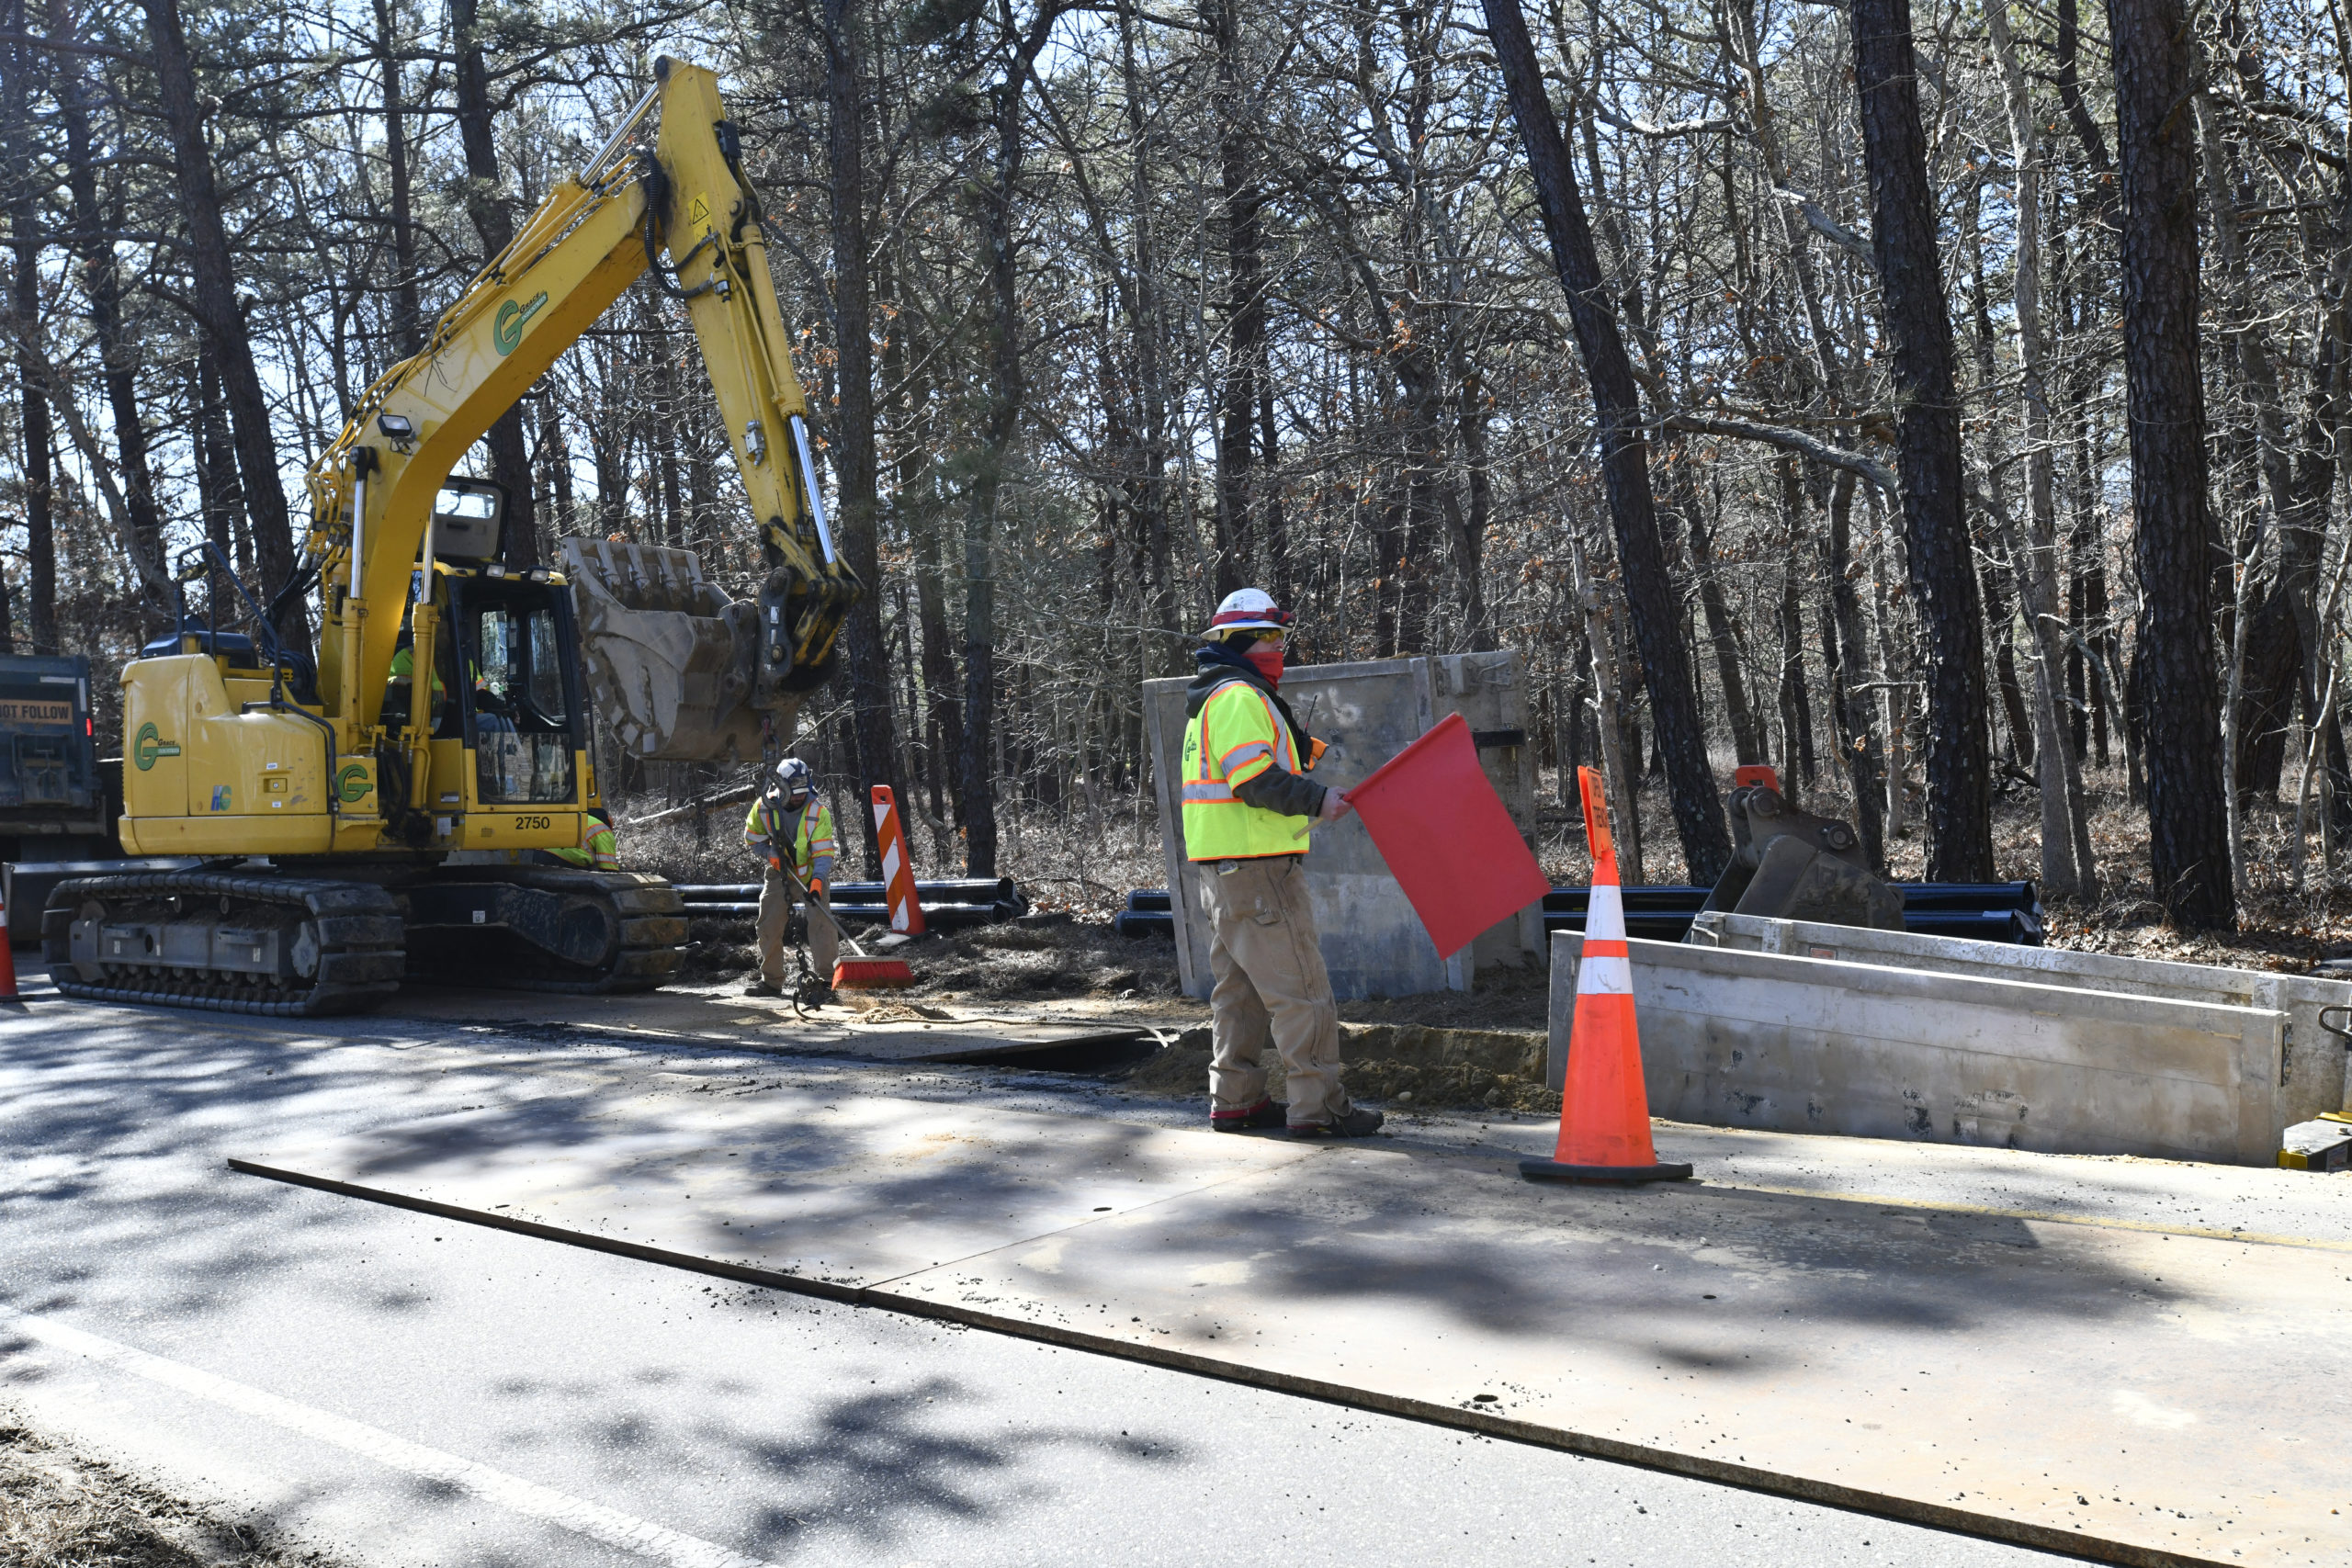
x=63, y=1509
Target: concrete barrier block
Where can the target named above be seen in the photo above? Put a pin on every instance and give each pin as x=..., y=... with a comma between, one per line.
x=1801, y=1044
x=2318, y=1011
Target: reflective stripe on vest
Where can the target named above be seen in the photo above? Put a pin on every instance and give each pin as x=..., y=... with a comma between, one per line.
x=812, y=835
x=1239, y=730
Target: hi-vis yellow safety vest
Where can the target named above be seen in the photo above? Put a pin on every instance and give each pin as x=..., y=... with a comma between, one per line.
x=598, y=849
x=812, y=839
x=1237, y=735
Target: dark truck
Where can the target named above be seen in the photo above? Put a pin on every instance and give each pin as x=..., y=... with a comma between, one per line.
x=57, y=804
x=52, y=798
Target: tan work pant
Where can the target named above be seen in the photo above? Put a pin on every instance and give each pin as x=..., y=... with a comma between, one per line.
x=776, y=899
x=1268, y=964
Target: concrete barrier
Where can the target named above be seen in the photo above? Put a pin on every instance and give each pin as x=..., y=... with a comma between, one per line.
x=2318, y=1011
x=1751, y=1039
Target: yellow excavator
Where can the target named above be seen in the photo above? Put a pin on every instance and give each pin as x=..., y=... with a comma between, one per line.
x=366, y=812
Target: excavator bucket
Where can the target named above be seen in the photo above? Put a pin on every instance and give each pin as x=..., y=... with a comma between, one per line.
x=669, y=655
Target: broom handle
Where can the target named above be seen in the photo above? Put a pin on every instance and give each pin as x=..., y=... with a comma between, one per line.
x=817, y=906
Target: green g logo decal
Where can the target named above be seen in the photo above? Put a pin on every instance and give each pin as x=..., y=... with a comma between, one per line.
x=507, y=329
x=146, y=747
x=352, y=782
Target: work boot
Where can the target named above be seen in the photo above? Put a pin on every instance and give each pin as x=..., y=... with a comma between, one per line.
x=1356, y=1123
x=1266, y=1113
x=762, y=988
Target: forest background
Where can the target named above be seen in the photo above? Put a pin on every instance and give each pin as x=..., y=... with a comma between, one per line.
x=1945, y=403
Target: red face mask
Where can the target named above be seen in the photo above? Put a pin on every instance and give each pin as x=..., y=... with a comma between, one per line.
x=1267, y=660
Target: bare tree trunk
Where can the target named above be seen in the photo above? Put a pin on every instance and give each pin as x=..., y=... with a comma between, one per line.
x=214, y=295
x=1007, y=391
x=1797, y=762
x=408, y=311
x=1649, y=595
x=855, y=465
x=1722, y=636
x=1238, y=201
x=16, y=165
x=510, y=461
x=117, y=356
x=1943, y=573
x=2172, y=535
x=1847, y=645
x=1147, y=500
x=1625, y=797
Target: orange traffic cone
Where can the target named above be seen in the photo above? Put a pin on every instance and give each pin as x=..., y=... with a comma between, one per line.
x=1604, y=1105
x=7, y=958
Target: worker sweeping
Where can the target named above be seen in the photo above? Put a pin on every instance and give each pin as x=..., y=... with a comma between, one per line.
x=793, y=828
x=1248, y=806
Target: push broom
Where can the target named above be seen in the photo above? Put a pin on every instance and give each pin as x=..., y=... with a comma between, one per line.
x=860, y=972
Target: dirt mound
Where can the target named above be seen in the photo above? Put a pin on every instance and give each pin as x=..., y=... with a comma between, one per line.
x=1038, y=958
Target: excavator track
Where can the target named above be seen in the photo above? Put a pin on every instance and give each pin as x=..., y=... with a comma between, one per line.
x=224, y=941
x=293, y=947
x=544, y=929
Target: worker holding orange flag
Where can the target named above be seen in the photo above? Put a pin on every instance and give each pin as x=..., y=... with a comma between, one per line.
x=1247, y=805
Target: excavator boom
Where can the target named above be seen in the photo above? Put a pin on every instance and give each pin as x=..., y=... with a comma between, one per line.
x=690, y=676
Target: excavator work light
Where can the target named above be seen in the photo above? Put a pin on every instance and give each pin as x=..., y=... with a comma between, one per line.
x=398, y=430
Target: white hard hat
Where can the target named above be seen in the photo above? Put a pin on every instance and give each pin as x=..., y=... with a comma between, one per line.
x=792, y=776
x=1247, y=609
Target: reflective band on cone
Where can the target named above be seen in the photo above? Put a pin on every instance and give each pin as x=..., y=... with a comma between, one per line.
x=1605, y=1104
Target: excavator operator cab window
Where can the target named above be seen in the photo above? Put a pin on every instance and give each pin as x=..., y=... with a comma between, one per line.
x=518, y=642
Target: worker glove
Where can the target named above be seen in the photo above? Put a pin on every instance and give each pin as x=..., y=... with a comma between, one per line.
x=775, y=863
x=816, y=888
x=1335, y=806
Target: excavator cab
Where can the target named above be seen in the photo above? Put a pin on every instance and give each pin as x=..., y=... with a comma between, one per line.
x=506, y=680
x=518, y=705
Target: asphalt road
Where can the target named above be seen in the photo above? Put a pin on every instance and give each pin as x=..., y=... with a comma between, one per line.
x=395, y=1389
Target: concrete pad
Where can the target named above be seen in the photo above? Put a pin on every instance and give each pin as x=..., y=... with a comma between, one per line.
x=2139, y=1395
x=1818, y=1045
x=2318, y=1011
x=838, y=1188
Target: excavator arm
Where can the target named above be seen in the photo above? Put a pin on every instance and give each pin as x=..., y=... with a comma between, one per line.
x=685, y=673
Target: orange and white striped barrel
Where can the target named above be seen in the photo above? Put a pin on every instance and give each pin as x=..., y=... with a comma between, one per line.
x=897, y=872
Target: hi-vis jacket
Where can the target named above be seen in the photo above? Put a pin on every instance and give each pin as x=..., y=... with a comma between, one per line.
x=597, y=850
x=808, y=831
x=1238, y=734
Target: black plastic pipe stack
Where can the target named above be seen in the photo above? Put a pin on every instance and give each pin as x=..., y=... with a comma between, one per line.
x=1981, y=911
x=950, y=905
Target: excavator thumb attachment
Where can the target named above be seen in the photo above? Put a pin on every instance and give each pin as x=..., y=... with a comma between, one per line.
x=1788, y=864
x=670, y=657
